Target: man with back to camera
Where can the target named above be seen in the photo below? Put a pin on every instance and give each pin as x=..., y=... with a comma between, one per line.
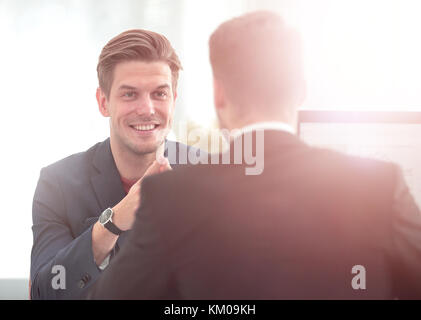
x=84, y=204
x=315, y=224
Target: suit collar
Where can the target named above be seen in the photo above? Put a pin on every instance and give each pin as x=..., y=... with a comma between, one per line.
x=281, y=138
x=273, y=137
x=268, y=125
x=106, y=183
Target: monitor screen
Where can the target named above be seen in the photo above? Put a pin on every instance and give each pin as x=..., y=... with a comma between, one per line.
x=388, y=136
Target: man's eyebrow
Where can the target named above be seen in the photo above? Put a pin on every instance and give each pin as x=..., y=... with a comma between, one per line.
x=164, y=86
x=126, y=87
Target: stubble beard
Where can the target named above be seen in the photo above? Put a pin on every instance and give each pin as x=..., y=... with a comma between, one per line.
x=148, y=148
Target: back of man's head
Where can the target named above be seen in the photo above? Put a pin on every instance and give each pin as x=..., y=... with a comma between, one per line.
x=256, y=60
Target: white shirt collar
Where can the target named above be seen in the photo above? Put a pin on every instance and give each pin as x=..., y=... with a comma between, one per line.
x=269, y=125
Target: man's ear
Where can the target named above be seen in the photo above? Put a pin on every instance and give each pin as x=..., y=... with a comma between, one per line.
x=218, y=95
x=101, y=98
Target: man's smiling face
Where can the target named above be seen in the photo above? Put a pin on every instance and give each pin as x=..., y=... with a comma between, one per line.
x=140, y=105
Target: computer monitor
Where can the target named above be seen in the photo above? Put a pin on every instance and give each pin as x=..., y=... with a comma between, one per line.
x=389, y=136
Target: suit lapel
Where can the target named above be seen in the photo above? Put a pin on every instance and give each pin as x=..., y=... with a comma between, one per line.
x=106, y=183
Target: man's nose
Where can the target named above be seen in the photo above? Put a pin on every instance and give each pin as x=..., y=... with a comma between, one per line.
x=145, y=106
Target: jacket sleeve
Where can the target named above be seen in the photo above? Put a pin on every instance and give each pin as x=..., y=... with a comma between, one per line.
x=55, y=249
x=406, y=242
x=141, y=268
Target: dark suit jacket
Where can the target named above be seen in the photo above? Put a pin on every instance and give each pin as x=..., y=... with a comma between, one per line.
x=294, y=232
x=70, y=196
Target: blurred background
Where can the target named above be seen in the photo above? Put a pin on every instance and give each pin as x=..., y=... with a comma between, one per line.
x=358, y=55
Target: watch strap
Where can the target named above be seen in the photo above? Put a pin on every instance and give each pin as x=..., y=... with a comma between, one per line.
x=113, y=228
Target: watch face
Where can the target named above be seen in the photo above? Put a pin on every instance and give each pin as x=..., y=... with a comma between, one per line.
x=105, y=216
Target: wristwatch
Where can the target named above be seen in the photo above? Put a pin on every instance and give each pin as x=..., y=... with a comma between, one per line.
x=105, y=219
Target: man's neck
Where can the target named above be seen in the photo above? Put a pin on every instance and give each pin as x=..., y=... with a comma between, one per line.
x=129, y=165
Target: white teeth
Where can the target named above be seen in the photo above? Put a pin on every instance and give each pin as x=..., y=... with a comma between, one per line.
x=144, y=127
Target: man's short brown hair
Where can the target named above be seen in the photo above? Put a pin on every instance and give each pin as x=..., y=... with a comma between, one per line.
x=256, y=59
x=135, y=45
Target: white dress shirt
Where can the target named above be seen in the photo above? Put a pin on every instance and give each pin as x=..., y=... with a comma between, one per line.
x=270, y=125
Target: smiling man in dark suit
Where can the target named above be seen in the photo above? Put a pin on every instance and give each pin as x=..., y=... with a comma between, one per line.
x=84, y=204
x=314, y=224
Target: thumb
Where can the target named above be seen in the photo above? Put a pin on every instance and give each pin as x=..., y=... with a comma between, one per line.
x=165, y=166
